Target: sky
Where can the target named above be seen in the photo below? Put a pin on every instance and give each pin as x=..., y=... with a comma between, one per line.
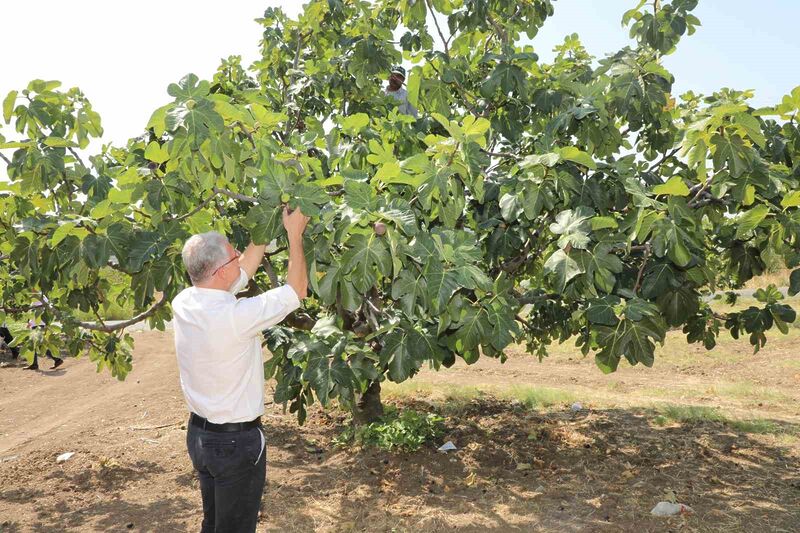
x=123, y=59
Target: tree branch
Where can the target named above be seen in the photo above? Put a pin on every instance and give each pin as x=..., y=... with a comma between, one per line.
x=700, y=189
x=641, y=269
x=438, y=29
x=122, y=325
x=76, y=156
x=500, y=31
x=91, y=325
x=668, y=155
x=4, y=158
x=501, y=154
x=273, y=278
x=195, y=210
x=235, y=195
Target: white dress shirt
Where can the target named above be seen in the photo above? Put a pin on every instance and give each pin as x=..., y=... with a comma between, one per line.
x=218, y=344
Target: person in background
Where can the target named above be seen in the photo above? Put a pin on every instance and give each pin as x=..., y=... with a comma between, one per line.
x=8, y=338
x=220, y=360
x=395, y=89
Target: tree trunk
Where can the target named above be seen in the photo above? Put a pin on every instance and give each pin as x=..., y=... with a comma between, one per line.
x=368, y=406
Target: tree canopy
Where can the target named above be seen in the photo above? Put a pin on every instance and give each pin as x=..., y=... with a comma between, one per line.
x=532, y=202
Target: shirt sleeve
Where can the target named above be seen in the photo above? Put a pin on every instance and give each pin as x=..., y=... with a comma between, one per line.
x=252, y=315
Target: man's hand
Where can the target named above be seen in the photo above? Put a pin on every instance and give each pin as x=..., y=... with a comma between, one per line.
x=295, y=222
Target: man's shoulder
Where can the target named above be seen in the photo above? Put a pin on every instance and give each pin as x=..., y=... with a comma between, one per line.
x=182, y=296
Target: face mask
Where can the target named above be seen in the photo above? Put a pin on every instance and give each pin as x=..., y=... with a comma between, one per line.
x=240, y=283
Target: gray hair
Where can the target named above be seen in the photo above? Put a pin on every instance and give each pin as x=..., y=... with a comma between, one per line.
x=203, y=253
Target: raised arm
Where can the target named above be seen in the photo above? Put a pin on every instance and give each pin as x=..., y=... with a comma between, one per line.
x=297, y=276
x=250, y=260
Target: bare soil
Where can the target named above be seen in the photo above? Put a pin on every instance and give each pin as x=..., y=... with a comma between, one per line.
x=602, y=468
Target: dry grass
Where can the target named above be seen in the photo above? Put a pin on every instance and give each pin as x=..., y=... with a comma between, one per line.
x=779, y=278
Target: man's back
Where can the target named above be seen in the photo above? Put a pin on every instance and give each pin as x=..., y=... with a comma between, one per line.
x=217, y=342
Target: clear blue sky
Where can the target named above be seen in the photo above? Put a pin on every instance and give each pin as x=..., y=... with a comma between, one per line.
x=742, y=44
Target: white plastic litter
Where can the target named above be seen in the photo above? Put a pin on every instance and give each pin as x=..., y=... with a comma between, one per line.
x=670, y=509
x=64, y=457
x=576, y=407
x=447, y=447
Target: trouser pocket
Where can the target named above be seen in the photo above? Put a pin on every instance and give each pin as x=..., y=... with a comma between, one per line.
x=263, y=447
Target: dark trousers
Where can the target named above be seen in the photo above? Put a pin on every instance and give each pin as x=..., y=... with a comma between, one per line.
x=232, y=469
x=8, y=339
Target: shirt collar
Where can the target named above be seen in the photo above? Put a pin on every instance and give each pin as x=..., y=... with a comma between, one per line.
x=213, y=293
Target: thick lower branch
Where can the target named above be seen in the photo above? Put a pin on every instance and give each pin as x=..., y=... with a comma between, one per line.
x=122, y=325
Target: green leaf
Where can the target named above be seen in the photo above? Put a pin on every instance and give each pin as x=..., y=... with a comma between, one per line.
x=673, y=187
x=399, y=359
x=791, y=199
x=355, y=123
x=61, y=232
x=657, y=279
x=770, y=295
x=752, y=127
x=16, y=144
x=199, y=120
x=510, y=207
x=190, y=87
x=59, y=142
x=409, y=288
x=148, y=245
x=678, y=253
x=268, y=121
x=678, y=305
x=360, y=195
x=794, y=282
x=308, y=198
x=265, y=223
x=388, y=172
x=505, y=328
x=471, y=328
x=413, y=86
x=573, y=226
x=570, y=153
x=8, y=106
x=157, y=120
x=750, y=220
x=730, y=152
x=599, y=223
x=366, y=258
x=441, y=285
x=156, y=152
x=563, y=268
x=318, y=374
x=95, y=251
x=603, y=310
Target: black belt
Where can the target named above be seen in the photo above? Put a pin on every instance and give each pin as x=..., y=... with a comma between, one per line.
x=228, y=427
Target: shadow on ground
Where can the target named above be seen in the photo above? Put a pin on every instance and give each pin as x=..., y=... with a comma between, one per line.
x=597, y=470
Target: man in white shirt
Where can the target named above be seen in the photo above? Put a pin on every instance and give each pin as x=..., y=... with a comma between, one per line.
x=218, y=345
x=395, y=89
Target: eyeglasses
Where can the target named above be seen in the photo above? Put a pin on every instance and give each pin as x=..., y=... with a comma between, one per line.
x=236, y=255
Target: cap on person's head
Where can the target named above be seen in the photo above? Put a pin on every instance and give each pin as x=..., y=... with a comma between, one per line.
x=397, y=69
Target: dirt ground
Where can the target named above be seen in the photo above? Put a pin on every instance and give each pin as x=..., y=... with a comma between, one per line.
x=518, y=468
